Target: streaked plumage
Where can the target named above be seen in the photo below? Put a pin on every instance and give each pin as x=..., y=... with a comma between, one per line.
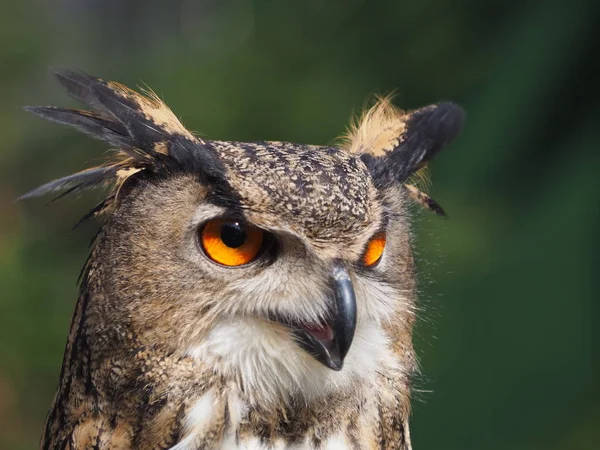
x=305, y=347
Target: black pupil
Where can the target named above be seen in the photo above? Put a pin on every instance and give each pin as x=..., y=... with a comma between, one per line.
x=233, y=234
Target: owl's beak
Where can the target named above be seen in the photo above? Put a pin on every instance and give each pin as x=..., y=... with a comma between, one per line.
x=329, y=344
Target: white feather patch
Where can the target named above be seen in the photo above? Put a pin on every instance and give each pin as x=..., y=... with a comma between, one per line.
x=269, y=365
x=337, y=442
x=197, y=420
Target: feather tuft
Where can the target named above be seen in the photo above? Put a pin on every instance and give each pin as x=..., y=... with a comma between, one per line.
x=398, y=144
x=378, y=130
x=145, y=132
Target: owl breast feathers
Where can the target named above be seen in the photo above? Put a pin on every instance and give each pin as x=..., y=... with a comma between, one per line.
x=242, y=295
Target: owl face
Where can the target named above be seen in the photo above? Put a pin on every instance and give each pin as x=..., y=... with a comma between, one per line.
x=286, y=267
x=290, y=299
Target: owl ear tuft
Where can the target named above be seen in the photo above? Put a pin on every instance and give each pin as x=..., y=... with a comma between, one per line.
x=145, y=132
x=395, y=144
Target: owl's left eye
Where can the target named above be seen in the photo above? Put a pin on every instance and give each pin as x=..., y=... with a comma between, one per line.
x=230, y=242
x=374, y=250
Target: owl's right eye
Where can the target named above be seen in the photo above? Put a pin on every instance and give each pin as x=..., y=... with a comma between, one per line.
x=231, y=242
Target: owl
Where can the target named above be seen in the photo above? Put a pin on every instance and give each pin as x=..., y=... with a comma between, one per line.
x=242, y=295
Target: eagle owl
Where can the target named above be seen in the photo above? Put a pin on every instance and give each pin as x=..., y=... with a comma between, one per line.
x=242, y=295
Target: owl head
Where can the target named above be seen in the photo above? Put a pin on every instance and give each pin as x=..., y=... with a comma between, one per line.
x=284, y=267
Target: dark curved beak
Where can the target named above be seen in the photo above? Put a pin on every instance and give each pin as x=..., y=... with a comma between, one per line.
x=330, y=343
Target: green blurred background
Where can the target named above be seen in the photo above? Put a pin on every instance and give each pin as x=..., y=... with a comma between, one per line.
x=509, y=333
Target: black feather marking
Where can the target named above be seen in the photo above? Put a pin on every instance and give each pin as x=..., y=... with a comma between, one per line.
x=428, y=130
x=93, y=124
x=70, y=190
x=435, y=207
x=79, y=86
x=95, y=93
x=424, y=200
x=79, y=180
x=122, y=103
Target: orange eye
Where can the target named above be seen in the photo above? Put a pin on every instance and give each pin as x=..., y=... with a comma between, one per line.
x=231, y=243
x=374, y=250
